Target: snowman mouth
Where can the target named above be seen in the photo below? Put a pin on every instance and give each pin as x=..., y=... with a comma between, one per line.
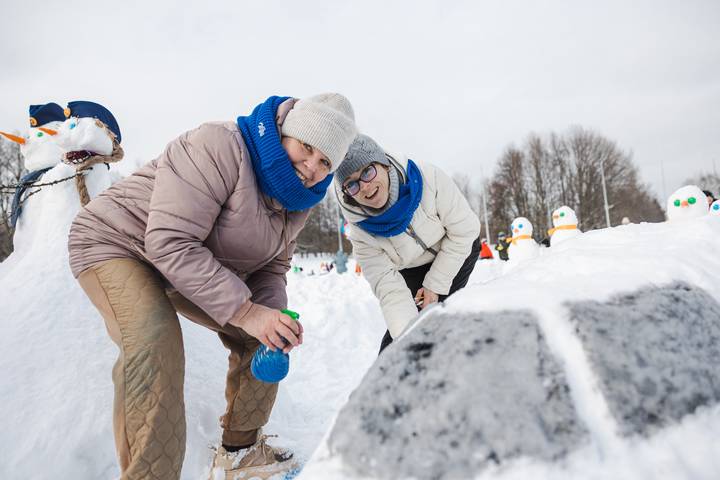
x=78, y=156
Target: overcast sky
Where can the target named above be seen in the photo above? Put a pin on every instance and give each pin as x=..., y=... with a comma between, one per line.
x=450, y=82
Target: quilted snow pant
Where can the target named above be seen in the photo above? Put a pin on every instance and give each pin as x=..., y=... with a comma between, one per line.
x=149, y=411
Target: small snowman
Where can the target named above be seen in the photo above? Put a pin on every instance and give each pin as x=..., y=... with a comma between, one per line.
x=715, y=208
x=38, y=147
x=522, y=246
x=686, y=203
x=564, y=225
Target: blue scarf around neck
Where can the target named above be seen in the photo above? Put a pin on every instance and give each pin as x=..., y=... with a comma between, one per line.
x=396, y=219
x=273, y=169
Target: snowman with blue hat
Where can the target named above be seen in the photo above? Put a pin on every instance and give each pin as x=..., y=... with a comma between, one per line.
x=40, y=152
x=90, y=138
x=37, y=145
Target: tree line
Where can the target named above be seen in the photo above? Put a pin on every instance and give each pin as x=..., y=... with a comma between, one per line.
x=549, y=171
x=530, y=180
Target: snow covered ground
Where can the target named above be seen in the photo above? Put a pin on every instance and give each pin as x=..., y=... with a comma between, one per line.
x=56, y=358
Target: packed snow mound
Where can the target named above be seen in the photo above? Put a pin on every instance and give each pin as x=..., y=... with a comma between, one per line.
x=596, y=360
x=445, y=402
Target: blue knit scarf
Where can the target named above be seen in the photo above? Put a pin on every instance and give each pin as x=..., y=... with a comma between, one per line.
x=273, y=169
x=396, y=219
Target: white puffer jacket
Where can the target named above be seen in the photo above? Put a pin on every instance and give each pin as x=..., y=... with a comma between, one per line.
x=443, y=223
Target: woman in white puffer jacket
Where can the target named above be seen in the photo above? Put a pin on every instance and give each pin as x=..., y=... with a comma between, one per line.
x=413, y=232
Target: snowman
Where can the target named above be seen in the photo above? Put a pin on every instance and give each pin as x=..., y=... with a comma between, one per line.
x=522, y=246
x=564, y=225
x=40, y=152
x=715, y=208
x=90, y=138
x=38, y=147
x=685, y=203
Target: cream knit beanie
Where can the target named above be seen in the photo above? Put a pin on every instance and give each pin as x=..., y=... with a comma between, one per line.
x=326, y=122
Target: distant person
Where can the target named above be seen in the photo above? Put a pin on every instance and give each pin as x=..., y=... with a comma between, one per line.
x=502, y=246
x=709, y=196
x=206, y=230
x=412, y=231
x=485, y=252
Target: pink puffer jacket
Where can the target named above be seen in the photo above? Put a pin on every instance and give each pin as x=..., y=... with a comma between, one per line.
x=197, y=215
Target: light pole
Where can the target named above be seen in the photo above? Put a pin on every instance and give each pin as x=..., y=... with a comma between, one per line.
x=484, y=204
x=605, y=199
x=487, y=227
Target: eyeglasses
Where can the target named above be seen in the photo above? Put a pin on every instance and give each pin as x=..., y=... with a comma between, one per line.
x=367, y=175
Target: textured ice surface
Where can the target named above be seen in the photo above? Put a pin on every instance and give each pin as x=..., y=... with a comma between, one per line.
x=457, y=394
x=655, y=351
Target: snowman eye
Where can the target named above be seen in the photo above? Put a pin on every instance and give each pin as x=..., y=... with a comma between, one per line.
x=691, y=200
x=73, y=125
x=562, y=214
x=520, y=226
x=716, y=207
x=676, y=203
x=39, y=134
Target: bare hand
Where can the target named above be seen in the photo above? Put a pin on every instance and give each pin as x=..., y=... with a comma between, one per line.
x=425, y=297
x=271, y=327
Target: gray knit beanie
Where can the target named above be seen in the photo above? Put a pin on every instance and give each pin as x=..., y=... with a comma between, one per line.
x=325, y=121
x=362, y=152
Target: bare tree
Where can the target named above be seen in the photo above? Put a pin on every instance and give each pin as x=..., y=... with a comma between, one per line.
x=706, y=181
x=566, y=170
x=11, y=171
x=321, y=229
x=469, y=190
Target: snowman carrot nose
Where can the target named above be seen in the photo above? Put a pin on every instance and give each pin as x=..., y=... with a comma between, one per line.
x=684, y=203
x=49, y=131
x=13, y=138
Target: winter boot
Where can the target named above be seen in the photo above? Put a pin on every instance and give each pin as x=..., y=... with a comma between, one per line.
x=259, y=461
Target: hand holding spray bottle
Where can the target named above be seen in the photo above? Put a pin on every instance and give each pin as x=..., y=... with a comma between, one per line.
x=271, y=366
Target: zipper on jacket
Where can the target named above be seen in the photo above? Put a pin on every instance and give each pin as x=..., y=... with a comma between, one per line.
x=414, y=235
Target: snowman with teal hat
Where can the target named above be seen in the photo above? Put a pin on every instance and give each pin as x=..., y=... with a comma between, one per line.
x=686, y=203
x=522, y=245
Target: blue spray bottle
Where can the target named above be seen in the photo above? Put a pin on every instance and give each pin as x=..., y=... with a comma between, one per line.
x=271, y=366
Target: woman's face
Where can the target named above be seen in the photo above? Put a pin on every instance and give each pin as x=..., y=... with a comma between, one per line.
x=310, y=165
x=373, y=192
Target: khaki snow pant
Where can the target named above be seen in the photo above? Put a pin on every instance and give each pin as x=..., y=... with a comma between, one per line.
x=149, y=411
